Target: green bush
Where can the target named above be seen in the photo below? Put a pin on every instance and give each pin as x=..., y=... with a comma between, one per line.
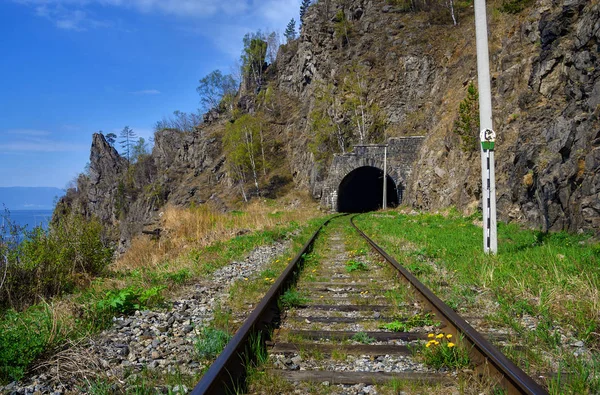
x=514, y=6
x=127, y=301
x=211, y=342
x=23, y=338
x=53, y=262
x=467, y=123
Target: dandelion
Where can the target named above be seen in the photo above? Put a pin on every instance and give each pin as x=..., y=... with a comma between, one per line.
x=428, y=345
x=245, y=278
x=450, y=345
x=277, y=261
x=448, y=336
x=440, y=336
x=314, y=270
x=436, y=342
x=431, y=335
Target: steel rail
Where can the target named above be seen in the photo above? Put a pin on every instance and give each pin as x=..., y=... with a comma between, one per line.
x=490, y=360
x=228, y=373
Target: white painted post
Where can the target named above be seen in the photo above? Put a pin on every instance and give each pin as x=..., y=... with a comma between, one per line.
x=384, y=177
x=487, y=136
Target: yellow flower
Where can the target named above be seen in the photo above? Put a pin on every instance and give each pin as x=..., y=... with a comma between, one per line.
x=272, y=280
x=314, y=270
x=430, y=335
x=277, y=261
x=436, y=342
x=245, y=278
x=448, y=336
x=428, y=345
x=439, y=336
x=450, y=345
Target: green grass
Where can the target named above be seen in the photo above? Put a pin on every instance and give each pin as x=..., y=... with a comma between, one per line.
x=292, y=298
x=211, y=342
x=442, y=352
x=353, y=265
x=550, y=278
x=363, y=337
x=408, y=323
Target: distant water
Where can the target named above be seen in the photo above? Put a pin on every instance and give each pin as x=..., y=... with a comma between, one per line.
x=28, y=218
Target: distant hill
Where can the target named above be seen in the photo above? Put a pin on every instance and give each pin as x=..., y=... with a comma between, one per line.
x=29, y=198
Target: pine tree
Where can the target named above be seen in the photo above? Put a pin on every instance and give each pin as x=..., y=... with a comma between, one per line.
x=290, y=30
x=128, y=140
x=303, y=8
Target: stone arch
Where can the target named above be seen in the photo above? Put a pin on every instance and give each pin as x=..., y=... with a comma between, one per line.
x=361, y=190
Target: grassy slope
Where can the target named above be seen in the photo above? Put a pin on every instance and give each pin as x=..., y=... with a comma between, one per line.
x=542, y=288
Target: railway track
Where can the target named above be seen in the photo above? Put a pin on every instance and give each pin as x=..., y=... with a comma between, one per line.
x=343, y=317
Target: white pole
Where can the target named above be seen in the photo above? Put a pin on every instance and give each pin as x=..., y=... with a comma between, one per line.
x=385, y=177
x=490, y=242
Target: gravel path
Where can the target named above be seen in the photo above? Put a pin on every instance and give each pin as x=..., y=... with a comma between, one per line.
x=155, y=340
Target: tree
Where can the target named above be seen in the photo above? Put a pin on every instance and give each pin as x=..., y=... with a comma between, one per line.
x=127, y=140
x=139, y=149
x=253, y=57
x=244, y=144
x=111, y=138
x=290, y=31
x=466, y=124
x=303, y=7
x=214, y=88
x=273, y=43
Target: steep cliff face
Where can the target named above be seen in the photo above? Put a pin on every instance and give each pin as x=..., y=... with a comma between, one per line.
x=546, y=96
x=416, y=67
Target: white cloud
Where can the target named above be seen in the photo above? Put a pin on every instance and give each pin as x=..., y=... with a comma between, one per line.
x=146, y=92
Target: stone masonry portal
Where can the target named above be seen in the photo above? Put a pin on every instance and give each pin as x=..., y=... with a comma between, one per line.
x=355, y=179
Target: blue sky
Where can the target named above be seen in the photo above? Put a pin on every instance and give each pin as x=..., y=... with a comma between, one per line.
x=69, y=68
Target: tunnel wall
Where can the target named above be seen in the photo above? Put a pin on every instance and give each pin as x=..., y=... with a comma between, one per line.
x=402, y=153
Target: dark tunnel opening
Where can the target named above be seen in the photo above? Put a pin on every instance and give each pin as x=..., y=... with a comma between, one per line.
x=362, y=190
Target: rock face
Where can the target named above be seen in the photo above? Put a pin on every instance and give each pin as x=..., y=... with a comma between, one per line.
x=546, y=105
x=546, y=98
x=183, y=168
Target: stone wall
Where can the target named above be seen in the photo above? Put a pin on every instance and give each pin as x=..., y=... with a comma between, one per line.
x=401, y=155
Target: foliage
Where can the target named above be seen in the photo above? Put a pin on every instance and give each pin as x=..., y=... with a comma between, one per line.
x=353, y=265
x=414, y=321
x=127, y=141
x=342, y=27
x=467, y=123
x=215, y=89
x=111, y=138
x=345, y=114
x=253, y=58
x=180, y=121
x=139, y=150
x=48, y=263
x=245, y=146
x=23, y=338
x=290, y=30
x=363, y=337
x=515, y=6
x=441, y=352
x=211, y=342
x=292, y=298
x=303, y=7
x=127, y=301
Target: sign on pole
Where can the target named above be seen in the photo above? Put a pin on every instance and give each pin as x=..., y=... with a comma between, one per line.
x=487, y=134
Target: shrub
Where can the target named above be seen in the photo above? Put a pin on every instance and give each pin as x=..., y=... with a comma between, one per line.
x=128, y=300
x=514, y=6
x=211, y=342
x=354, y=265
x=467, y=123
x=23, y=338
x=291, y=299
x=53, y=262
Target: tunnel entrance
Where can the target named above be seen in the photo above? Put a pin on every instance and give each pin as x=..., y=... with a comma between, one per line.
x=362, y=190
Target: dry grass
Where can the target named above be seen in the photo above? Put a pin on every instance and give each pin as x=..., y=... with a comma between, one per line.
x=185, y=229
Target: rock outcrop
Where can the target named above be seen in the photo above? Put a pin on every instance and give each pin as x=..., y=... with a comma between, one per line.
x=546, y=98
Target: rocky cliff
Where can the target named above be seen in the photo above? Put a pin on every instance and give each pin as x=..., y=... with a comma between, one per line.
x=415, y=66
x=546, y=96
